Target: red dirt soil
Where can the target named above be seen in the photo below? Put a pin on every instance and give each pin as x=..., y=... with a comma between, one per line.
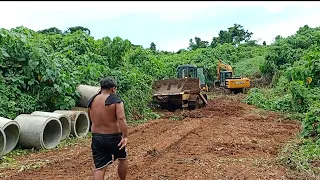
x=224, y=140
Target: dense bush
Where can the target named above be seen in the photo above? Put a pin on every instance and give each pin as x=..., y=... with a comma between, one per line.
x=291, y=63
x=35, y=64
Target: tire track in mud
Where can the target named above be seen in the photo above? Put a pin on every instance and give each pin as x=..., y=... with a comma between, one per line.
x=224, y=140
x=232, y=145
x=150, y=154
x=218, y=150
x=80, y=162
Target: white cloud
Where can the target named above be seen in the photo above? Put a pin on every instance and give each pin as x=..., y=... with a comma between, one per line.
x=63, y=14
x=284, y=28
x=275, y=6
x=38, y=15
x=266, y=32
x=174, y=45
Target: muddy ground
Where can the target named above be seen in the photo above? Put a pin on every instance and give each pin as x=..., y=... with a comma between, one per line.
x=225, y=140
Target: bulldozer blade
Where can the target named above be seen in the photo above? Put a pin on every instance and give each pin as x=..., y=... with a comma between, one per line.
x=203, y=99
x=176, y=86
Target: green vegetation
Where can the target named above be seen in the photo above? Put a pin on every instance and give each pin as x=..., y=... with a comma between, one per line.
x=52, y=61
x=301, y=155
x=34, y=64
x=290, y=64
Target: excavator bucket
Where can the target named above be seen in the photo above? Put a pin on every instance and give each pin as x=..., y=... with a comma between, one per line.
x=176, y=86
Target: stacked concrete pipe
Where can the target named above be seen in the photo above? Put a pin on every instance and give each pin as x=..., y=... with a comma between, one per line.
x=86, y=92
x=11, y=130
x=79, y=122
x=64, y=120
x=39, y=131
x=3, y=142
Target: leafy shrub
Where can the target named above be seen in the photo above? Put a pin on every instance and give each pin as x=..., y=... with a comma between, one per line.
x=290, y=62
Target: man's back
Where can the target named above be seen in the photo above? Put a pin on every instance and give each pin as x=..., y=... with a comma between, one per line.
x=109, y=130
x=104, y=119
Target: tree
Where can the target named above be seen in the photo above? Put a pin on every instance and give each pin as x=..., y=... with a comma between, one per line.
x=134, y=46
x=198, y=44
x=234, y=35
x=264, y=43
x=192, y=45
x=278, y=37
x=181, y=50
x=153, y=46
x=52, y=30
x=251, y=43
x=76, y=28
x=303, y=29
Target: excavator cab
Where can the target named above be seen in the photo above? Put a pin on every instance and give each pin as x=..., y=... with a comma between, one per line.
x=223, y=76
x=226, y=80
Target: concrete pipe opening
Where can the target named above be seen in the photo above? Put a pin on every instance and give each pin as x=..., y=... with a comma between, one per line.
x=81, y=125
x=64, y=120
x=3, y=142
x=79, y=122
x=39, y=131
x=12, y=131
x=51, y=135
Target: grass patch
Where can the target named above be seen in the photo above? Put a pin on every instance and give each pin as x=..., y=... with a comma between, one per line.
x=248, y=67
x=177, y=117
x=151, y=116
x=302, y=156
x=9, y=161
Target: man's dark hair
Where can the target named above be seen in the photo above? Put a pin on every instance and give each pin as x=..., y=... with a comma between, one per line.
x=107, y=83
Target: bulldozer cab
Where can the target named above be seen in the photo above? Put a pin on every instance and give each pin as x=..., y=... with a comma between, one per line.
x=187, y=71
x=191, y=71
x=223, y=76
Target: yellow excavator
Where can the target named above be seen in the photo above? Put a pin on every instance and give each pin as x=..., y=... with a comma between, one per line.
x=185, y=91
x=226, y=80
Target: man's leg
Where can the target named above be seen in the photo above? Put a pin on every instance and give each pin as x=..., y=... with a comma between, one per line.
x=98, y=174
x=122, y=168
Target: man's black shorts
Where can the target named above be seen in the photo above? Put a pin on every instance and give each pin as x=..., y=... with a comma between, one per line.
x=104, y=146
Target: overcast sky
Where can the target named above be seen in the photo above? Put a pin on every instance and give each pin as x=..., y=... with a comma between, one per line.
x=169, y=24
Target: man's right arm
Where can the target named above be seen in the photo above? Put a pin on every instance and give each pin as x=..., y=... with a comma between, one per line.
x=122, y=119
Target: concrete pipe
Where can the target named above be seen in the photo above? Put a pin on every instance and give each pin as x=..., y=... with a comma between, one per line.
x=86, y=92
x=3, y=142
x=64, y=120
x=12, y=131
x=39, y=131
x=79, y=122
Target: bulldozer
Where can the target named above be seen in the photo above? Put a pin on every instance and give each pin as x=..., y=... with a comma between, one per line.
x=185, y=91
x=229, y=83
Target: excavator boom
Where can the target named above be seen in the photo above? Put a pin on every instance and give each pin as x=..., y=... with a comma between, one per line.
x=222, y=65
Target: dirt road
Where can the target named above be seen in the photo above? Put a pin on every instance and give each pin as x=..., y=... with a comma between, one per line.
x=225, y=140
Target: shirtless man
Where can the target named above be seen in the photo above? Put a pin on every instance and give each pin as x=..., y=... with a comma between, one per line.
x=109, y=130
